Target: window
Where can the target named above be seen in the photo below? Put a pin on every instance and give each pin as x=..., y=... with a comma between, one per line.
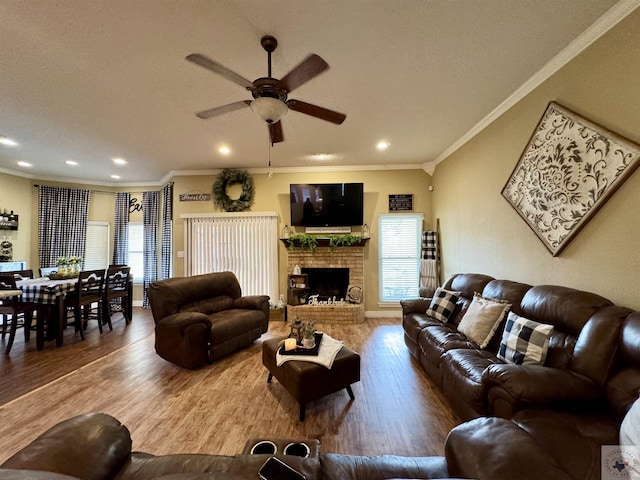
x=96, y=254
x=399, y=256
x=136, y=246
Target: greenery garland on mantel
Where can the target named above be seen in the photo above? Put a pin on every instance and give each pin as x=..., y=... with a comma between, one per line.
x=228, y=177
x=311, y=242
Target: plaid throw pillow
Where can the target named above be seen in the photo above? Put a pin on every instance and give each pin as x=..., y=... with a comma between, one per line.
x=443, y=305
x=524, y=342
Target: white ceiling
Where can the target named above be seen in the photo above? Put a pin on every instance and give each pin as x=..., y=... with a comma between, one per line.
x=90, y=80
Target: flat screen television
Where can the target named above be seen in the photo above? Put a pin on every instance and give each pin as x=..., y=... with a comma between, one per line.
x=326, y=204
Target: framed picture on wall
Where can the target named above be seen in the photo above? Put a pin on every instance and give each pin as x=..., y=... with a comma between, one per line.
x=568, y=170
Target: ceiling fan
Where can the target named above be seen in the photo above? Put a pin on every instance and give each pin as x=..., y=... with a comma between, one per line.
x=270, y=95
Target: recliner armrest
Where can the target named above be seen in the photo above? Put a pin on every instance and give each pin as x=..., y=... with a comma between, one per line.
x=184, y=339
x=91, y=447
x=415, y=305
x=251, y=302
x=514, y=387
x=498, y=449
x=183, y=319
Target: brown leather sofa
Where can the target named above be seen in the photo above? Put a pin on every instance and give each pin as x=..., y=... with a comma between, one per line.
x=205, y=317
x=545, y=443
x=532, y=422
x=476, y=382
x=97, y=447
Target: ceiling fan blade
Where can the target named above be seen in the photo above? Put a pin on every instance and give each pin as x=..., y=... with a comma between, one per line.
x=316, y=111
x=275, y=132
x=219, y=69
x=310, y=67
x=213, y=112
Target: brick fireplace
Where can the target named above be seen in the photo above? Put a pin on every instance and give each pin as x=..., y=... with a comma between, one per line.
x=351, y=258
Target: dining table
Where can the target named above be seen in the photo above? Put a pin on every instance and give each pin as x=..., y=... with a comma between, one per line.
x=48, y=296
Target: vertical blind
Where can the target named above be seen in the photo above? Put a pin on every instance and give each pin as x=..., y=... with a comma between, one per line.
x=243, y=243
x=399, y=255
x=96, y=254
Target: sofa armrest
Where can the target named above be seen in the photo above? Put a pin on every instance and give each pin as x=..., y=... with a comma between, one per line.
x=92, y=446
x=252, y=302
x=184, y=338
x=415, y=305
x=514, y=387
x=182, y=320
x=497, y=449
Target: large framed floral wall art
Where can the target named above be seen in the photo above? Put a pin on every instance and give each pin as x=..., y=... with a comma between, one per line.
x=568, y=170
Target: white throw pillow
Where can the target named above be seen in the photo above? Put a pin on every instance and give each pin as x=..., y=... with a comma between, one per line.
x=524, y=342
x=630, y=427
x=482, y=319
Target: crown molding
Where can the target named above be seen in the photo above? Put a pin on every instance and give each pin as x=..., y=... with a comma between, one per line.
x=606, y=22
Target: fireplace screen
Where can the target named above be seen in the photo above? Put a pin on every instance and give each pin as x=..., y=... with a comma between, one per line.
x=328, y=282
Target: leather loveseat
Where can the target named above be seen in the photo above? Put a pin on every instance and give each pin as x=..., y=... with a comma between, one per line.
x=205, y=317
x=97, y=447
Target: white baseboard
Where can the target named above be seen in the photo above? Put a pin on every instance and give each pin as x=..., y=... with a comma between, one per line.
x=383, y=314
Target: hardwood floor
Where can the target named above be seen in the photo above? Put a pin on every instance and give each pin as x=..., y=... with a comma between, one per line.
x=216, y=409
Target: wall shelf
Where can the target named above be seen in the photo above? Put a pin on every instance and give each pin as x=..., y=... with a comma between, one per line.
x=324, y=242
x=9, y=224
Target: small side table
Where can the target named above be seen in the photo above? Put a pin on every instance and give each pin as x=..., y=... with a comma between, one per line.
x=308, y=381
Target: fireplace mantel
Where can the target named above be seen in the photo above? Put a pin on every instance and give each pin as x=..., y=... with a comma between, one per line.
x=324, y=242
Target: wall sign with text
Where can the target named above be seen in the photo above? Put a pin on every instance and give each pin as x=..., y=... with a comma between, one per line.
x=195, y=197
x=401, y=203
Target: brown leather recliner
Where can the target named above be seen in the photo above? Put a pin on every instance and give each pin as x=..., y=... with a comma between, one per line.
x=96, y=446
x=205, y=317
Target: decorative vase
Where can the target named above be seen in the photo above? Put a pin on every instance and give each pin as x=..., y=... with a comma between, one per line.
x=308, y=342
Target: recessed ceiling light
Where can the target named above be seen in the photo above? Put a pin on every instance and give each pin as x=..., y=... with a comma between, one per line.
x=24, y=164
x=224, y=150
x=383, y=145
x=119, y=161
x=322, y=157
x=115, y=177
x=7, y=141
x=71, y=163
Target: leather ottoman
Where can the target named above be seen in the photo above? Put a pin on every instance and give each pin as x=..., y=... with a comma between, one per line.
x=308, y=381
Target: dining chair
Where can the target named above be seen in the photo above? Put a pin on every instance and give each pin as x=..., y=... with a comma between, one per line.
x=116, y=290
x=20, y=274
x=13, y=310
x=45, y=271
x=88, y=292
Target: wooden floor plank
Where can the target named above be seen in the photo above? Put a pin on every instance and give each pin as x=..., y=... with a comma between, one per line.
x=397, y=410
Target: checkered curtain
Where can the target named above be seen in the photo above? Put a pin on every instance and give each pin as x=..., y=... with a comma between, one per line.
x=167, y=215
x=62, y=223
x=150, y=242
x=429, y=260
x=121, y=229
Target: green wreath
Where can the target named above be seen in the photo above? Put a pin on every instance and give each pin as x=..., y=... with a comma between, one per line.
x=228, y=177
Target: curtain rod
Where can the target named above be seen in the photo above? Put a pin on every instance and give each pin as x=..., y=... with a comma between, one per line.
x=113, y=193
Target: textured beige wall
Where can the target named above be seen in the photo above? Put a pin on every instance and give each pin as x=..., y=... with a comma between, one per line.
x=14, y=195
x=273, y=195
x=18, y=193
x=480, y=230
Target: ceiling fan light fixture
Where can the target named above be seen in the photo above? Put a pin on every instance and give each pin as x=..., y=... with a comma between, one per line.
x=270, y=110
